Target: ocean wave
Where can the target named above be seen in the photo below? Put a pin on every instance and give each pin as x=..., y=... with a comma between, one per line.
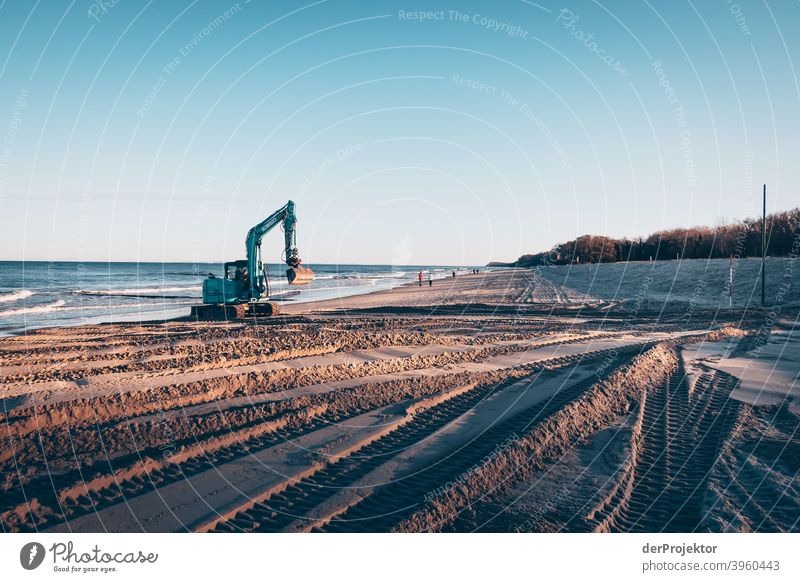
x=61, y=307
x=198, y=273
x=140, y=291
x=14, y=295
x=392, y=275
x=42, y=308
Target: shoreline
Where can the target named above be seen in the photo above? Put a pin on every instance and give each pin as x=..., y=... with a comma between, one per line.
x=665, y=287
x=410, y=293
x=180, y=310
x=491, y=291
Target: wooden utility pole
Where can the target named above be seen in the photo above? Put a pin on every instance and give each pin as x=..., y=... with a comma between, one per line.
x=764, y=248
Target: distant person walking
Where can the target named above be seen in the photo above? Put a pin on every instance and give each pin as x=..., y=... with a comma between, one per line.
x=430, y=279
x=454, y=274
x=420, y=278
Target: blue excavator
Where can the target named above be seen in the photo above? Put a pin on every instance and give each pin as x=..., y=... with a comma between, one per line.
x=243, y=290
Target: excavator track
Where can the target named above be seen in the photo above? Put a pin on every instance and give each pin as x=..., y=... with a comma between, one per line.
x=230, y=312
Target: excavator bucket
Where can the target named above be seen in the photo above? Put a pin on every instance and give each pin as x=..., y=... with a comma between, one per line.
x=299, y=275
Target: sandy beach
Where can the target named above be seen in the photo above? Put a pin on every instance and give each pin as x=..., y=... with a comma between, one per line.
x=497, y=401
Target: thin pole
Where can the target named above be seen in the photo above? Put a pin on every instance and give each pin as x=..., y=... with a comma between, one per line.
x=764, y=249
x=730, y=283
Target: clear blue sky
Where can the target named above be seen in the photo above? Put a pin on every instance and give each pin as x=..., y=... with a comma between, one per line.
x=134, y=130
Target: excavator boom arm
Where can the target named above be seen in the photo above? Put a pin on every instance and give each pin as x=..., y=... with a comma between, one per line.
x=296, y=274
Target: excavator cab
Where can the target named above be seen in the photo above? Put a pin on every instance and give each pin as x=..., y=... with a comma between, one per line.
x=232, y=288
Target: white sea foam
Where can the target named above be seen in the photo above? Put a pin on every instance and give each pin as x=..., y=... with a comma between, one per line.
x=33, y=309
x=15, y=296
x=61, y=307
x=142, y=290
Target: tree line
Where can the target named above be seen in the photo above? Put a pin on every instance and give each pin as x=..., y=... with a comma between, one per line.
x=740, y=239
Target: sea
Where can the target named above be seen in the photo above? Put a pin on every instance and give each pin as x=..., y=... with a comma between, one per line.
x=36, y=294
